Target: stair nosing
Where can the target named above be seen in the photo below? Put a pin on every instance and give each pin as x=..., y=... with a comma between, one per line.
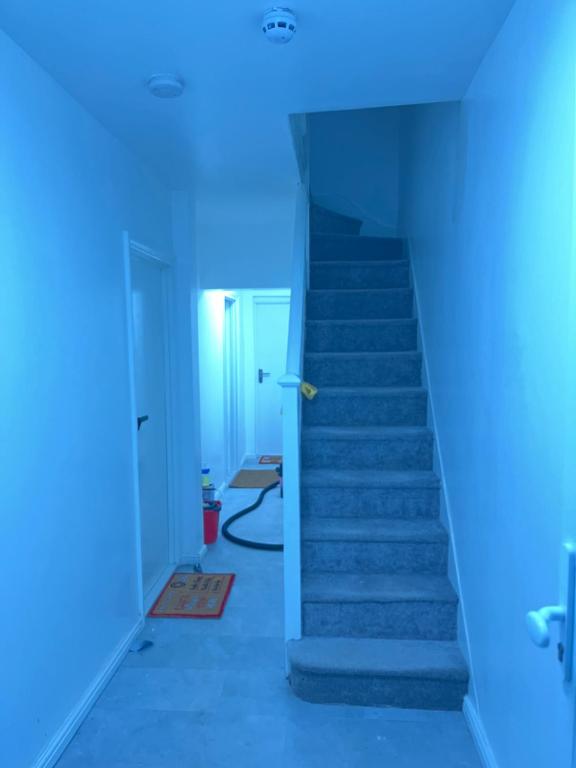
x=372, y=391
x=360, y=664
x=377, y=586
x=358, y=262
x=368, y=238
x=416, y=478
x=404, y=353
x=341, y=291
x=357, y=321
x=373, y=530
x=365, y=432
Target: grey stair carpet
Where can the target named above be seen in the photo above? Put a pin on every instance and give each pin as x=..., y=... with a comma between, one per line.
x=367, y=447
x=411, y=606
x=360, y=304
x=379, y=613
x=360, y=335
x=339, y=247
x=417, y=674
x=375, y=493
x=359, y=274
x=367, y=406
x=363, y=369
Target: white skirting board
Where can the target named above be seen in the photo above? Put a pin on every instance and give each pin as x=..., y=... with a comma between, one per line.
x=52, y=752
x=194, y=559
x=479, y=734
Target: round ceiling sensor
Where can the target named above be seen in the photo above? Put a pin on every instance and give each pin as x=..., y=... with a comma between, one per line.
x=165, y=86
x=279, y=25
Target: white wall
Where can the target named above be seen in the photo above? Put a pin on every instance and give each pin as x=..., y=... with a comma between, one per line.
x=244, y=238
x=354, y=167
x=67, y=527
x=488, y=207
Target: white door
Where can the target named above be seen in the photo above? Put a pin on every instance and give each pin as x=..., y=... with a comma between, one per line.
x=270, y=345
x=150, y=373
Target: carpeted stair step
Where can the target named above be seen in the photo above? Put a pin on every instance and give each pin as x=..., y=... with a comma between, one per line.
x=360, y=335
x=363, y=369
x=361, y=304
x=410, y=606
x=367, y=406
x=370, y=493
x=367, y=447
x=415, y=674
x=323, y=220
x=373, y=545
x=342, y=247
x=359, y=274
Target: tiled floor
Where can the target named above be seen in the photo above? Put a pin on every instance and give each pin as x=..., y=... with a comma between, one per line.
x=212, y=694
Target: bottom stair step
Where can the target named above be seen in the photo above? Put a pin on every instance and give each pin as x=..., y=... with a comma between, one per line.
x=414, y=674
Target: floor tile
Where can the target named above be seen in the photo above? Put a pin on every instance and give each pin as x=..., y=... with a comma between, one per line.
x=213, y=693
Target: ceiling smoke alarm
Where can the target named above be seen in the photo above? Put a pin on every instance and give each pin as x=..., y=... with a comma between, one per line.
x=165, y=86
x=279, y=25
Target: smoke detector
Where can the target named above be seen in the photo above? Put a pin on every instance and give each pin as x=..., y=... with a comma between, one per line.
x=165, y=86
x=279, y=25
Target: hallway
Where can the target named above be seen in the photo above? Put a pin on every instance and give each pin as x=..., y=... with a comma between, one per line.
x=211, y=694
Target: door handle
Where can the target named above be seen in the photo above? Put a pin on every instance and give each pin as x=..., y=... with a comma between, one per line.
x=261, y=375
x=140, y=420
x=539, y=622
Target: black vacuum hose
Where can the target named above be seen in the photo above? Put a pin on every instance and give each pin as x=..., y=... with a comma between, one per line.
x=246, y=542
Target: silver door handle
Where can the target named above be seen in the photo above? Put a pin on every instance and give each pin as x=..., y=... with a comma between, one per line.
x=539, y=623
x=261, y=375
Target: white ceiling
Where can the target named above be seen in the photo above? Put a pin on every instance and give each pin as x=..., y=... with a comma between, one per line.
x=230, y=127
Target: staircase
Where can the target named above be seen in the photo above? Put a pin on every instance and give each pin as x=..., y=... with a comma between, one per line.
x=379, y=613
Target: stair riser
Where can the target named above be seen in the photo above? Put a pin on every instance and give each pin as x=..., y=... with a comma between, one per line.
x=406, y=409
x=350, y=305
x=391, y=503
x=370, y=691
x=375, y=557
x=401, y=371
x=383, y=275
x=392, y=337
x=326, y=222
x=408, y=620
x=360, y=249
x=392, y=453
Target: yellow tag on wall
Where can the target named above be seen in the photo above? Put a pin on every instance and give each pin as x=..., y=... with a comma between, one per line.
x=308, y=390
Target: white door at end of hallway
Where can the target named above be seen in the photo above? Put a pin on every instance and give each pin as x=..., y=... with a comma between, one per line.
x=150, y=375
x=270, y=345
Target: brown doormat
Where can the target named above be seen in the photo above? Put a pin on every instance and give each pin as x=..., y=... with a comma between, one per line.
x=193, y=596
x=272, y=459
x=254, y=478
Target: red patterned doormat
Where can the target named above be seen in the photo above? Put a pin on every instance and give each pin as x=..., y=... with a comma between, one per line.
x=272, y=459
x=193, y=596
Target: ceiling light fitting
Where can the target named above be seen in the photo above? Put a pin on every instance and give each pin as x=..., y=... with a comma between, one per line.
x=165, y=86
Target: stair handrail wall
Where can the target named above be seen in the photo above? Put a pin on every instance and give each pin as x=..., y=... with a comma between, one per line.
x=291, y=418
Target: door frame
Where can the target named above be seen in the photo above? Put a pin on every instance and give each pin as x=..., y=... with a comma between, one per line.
x=133, y=249
x=231, y=363
x=278, y=296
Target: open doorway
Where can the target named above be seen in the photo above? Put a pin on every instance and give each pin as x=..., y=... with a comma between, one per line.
x=243, y=336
